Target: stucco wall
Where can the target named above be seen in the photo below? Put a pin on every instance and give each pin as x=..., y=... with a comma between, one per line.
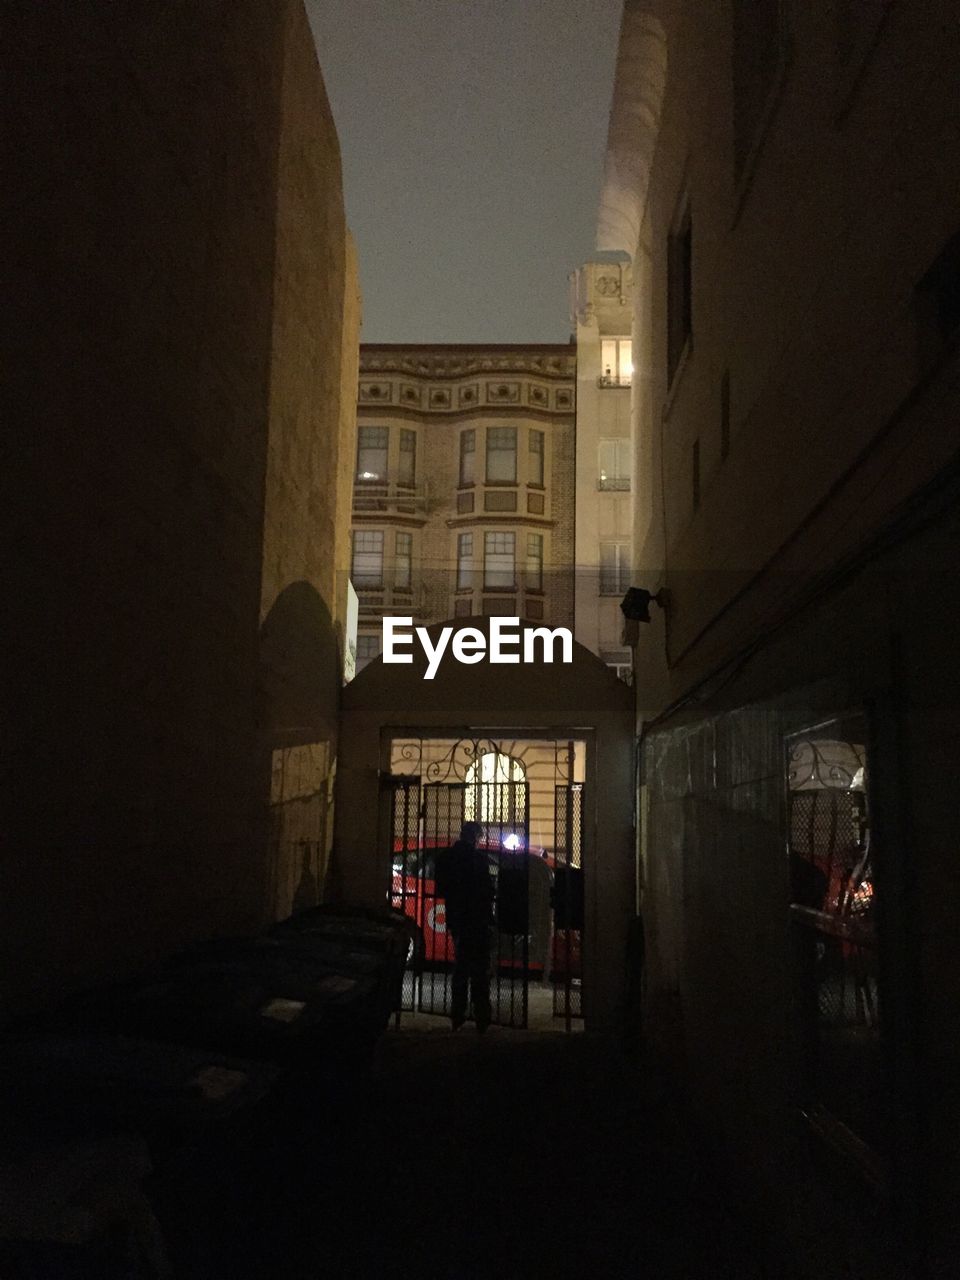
x=583, y=700
x=149, y=363
x=802, y=584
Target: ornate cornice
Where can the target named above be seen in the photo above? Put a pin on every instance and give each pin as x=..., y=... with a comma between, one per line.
x=550, y=362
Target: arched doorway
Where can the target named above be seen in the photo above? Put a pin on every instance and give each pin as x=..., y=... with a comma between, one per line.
x=408, y=745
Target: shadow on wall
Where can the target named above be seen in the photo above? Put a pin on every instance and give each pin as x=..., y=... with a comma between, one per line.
x=300, y=664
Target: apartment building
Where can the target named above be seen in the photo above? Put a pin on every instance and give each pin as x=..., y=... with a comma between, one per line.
x=602, y=307
x=782, y=177
x=463, y=499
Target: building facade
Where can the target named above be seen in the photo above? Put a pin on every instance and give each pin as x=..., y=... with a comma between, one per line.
x=182, y=391
x=780, y=176
x=463, y=497
x=602, y=304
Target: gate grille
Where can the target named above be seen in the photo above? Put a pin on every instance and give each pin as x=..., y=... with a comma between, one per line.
x=426, y=819
x=568, y=913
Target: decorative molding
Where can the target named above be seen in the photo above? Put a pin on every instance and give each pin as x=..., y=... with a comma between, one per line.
x=503, y=392
x=376, y=392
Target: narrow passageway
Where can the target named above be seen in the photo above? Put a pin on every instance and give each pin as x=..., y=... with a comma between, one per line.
x=516, y=1155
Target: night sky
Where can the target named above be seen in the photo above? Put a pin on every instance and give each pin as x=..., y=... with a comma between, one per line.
x=472, y=136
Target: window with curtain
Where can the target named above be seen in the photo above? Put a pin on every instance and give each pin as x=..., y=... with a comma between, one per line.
x=403, y=563
x=468, y=454
x=614, y=464
x=501, y=455
x=614, y=568
x=499, y=560
x=366, y=567
x=407, y=474
x=534, y=561
x=616, y=362
x=373, y=444
x=464, y=561
x=535, y=463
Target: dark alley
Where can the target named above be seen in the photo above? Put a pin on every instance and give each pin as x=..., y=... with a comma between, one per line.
x=518, y=1155
x=480, y=710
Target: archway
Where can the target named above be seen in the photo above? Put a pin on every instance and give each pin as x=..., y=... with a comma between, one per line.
x=540, y=703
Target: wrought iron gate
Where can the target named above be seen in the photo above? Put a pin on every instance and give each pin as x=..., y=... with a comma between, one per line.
x=538, y=928
x=568, y=901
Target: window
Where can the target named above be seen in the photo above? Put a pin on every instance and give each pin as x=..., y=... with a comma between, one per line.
x=534, y=561
x=499, y=554
x=404, y=561
x=725, y=415
x=614, y=568
x=407, y=474
x=464, y=561
x=535, y=467
x=616, y=362
x=759, y=47
x=372, y=446
x=501, y=455
x=495, y=791
x=614, y=465
x=368, y=647
x=468, y=454
x=366, y=569
x=679, y=293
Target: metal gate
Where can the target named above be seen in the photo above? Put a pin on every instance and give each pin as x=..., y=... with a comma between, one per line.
x=568, y=900
x=426, y=817
x=537, y=939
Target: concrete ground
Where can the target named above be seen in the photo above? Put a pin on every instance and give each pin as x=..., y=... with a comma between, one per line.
x=517, y=1155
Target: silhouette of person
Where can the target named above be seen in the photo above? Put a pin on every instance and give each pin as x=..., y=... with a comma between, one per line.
x=463, y=881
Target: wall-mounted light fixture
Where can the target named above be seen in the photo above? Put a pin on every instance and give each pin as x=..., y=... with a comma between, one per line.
x=635, y=607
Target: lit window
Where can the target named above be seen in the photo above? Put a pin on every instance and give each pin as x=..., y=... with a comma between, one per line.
x=407, y=474
x=499, y=556
x=679, y=292
x=614, y=568
x=495, y=793
x=534, y=561
x=464, y=561
x=372, y=446
x=468, y=454
x=501, y=455
x=366, y=569
x=616, y=362
x=535, y=469
x=614, y=464
x=404, y=561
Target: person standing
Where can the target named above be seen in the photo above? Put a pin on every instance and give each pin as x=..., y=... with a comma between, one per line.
x=464, y=882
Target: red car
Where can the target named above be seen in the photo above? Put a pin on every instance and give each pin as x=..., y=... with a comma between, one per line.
x=414, y=892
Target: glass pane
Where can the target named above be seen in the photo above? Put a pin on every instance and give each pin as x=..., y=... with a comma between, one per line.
x=372, y=445
x=499, y=557
x=467, y=457
x=408, y=458
x=536, y=458
x=502, y=455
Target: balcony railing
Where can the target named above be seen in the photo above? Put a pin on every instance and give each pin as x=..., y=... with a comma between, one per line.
x=615, y=380
x=388, y=495
x=614, y=484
